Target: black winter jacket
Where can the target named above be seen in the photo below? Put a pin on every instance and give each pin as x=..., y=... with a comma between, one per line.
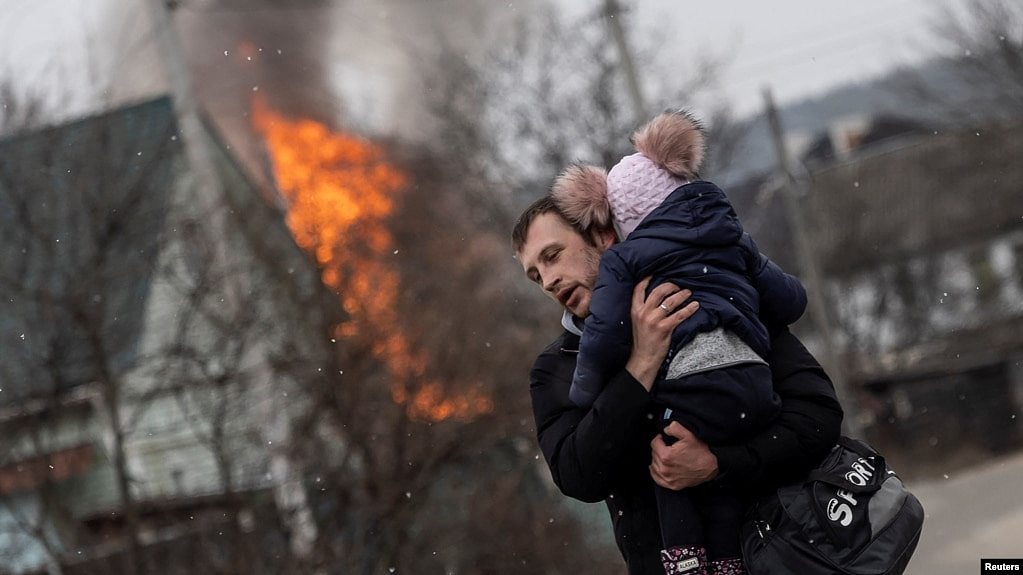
x=603, y=452
x=694, y=240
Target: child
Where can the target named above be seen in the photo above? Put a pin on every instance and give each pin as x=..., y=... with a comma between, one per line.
x=714, y=381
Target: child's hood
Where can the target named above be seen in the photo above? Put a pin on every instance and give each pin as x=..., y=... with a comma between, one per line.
x=697, y=213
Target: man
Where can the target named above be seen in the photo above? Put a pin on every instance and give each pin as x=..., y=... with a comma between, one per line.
x=612, y=451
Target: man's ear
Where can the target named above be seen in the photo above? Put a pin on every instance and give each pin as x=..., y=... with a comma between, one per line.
x=605, y=238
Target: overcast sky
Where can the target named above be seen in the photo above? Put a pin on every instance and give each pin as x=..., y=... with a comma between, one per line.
x=797, y=47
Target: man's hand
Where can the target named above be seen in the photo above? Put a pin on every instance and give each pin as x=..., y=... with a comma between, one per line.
x=653, y=320
x=685, y=463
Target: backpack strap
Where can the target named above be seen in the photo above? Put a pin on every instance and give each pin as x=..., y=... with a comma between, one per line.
x=864, y=484
x=858, y=447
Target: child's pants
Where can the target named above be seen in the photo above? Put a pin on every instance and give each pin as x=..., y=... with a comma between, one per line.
x=719, y=406
x=705, y=516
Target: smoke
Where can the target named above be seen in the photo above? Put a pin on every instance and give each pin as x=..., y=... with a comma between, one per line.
x=274, y=48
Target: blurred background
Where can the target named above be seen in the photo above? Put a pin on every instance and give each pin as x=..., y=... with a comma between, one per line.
x=259, y=311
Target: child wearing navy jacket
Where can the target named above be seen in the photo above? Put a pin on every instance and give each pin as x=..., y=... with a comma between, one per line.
x=715, y=381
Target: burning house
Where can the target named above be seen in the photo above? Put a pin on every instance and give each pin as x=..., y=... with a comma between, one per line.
x=279, y=378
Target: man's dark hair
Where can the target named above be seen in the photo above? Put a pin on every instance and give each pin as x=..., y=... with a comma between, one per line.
x=539, y=207
x=542, y=206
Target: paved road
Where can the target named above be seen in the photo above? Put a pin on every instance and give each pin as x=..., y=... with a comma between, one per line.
x=974, y=514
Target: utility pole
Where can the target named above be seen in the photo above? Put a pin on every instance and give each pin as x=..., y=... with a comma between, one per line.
x=819, y=309
x=613, y=14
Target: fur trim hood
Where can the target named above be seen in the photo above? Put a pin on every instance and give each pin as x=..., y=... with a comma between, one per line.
x=580, y=193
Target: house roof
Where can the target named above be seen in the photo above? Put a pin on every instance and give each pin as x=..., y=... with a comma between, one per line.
x=930, y=195
x=81, y=210
x=969, y=348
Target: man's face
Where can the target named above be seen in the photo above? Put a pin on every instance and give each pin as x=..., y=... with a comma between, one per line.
x=562, y=262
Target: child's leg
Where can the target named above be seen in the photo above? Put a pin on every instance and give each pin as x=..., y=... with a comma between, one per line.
x=722, y=513
x=681, y=533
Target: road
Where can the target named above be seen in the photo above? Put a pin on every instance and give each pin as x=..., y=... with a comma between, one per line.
x=972, y=514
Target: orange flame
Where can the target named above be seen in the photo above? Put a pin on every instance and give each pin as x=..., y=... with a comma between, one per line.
x=339, y=190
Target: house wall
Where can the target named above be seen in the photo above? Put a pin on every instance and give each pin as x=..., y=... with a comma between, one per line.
x=170, y=404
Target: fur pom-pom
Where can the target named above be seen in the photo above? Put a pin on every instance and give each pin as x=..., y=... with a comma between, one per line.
x=580, y=193
x=674, y=141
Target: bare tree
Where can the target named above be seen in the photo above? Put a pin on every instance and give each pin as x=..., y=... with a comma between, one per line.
x=99, y=232
x=77, y=250
x=979, y=51
x=18, y=111
x=553, y=95
x=411, y=438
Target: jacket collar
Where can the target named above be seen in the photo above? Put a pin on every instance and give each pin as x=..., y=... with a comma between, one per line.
x=571, y=323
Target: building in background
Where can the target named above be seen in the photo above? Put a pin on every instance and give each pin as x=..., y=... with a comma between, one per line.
x=138, y=358
x=919, y=236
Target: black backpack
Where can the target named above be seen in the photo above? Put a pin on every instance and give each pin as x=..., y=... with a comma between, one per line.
x=850, y=516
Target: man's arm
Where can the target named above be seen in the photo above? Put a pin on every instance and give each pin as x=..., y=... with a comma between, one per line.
x=804, y=431
x=587, y=449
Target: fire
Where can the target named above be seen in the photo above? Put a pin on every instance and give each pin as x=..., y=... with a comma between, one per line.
x=340, y=190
